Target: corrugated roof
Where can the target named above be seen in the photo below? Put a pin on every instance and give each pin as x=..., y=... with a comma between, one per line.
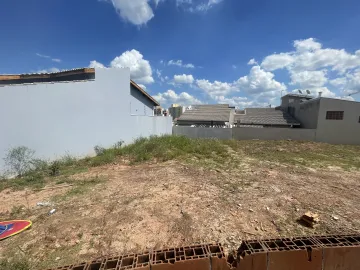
x=265, y=116
x=215, y=112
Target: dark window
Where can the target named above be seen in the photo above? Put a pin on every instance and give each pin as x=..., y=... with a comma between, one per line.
x=359, y=119
x=334, y=115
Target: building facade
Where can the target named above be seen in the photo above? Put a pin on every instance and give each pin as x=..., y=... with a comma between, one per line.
x=175, y=110
x=335, y=120
x=55, y=117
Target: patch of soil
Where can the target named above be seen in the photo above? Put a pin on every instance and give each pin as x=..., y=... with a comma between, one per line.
x=172, y=204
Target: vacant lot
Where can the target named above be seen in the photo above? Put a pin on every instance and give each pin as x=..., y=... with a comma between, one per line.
x=174, y=191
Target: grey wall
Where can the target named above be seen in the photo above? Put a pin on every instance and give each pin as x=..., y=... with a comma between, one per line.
x=198, y=132
x=140, y=104
x=73, y=117
x=274, y=134
x=346, y=131
x=247, y=133
x=307, y=113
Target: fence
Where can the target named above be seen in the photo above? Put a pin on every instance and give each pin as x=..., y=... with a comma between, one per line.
x=247, y=133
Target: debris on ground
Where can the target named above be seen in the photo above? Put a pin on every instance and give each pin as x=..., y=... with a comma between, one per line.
x=52, y=211
x=310, y=219
x=335, y=218
x=43, y=204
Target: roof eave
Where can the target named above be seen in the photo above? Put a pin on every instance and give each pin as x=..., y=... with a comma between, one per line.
x=144, y=92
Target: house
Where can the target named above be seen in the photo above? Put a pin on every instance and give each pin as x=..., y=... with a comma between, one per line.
x=217, y=115
x=335, y=120
x=74, y=110
x=265, y=117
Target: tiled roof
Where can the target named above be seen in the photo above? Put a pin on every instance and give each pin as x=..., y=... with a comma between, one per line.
x=217, y=112
x=265, y=116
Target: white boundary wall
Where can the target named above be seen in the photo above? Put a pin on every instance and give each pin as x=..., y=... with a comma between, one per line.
x=72, y=117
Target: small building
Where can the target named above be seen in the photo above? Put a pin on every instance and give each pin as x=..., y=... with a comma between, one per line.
x=265, y=117
x=217, y=115
x=175, y=110
x=74, y=110
x=335, y=120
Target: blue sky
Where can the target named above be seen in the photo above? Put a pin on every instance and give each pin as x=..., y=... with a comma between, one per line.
x=243, y=52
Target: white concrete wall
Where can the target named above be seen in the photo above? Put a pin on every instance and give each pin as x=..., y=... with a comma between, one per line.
x=202, y=132
x=346, y=131
x=73, y=117
x=274, y=134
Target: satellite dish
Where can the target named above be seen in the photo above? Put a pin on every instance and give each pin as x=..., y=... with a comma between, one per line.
x=308, y=92
x=300, y=91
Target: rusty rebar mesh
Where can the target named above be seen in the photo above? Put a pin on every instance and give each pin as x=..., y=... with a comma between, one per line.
x=195, y=252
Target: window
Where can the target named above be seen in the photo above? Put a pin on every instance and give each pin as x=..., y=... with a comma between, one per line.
x=334, y=115
x=359, y=119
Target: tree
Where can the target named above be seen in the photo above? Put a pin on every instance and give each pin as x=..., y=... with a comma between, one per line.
x=19, y=160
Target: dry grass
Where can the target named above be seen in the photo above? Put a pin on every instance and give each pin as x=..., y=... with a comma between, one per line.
x=225, y=193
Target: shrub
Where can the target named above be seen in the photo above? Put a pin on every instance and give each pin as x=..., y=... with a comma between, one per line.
x=99, y=150
x=118, y=144
x=19, y=160
x=54, y=168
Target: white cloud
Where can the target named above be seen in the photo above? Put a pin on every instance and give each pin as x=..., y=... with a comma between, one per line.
x=259, y=81
x=142, y=86
x=137, y=12
x=50, y=70
x=140, y=69
x=309, y=55
x=189, y=79
x=252, y=62
x=170, y=96
x=309, y=79
x=338, y=81
x=277, y=61
x=95, y=64
x=307, y=45
x=180, y=63
x=205, y=6
x=57, y=60
x=234, y=66
x=215, y=88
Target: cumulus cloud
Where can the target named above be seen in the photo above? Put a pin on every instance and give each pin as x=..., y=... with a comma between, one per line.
x=310, y=55
x=140, y=69
x=170, y=96
x=180, y=63
x=137, y=12
x=189, y=79
x=95, y=64
x=259, y=84
x=216, y=88
x=259, y=81
x=140, y=12
x=309, y=79
x=252, y=62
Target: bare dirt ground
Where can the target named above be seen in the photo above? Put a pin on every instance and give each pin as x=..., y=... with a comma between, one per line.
x=158, y=205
